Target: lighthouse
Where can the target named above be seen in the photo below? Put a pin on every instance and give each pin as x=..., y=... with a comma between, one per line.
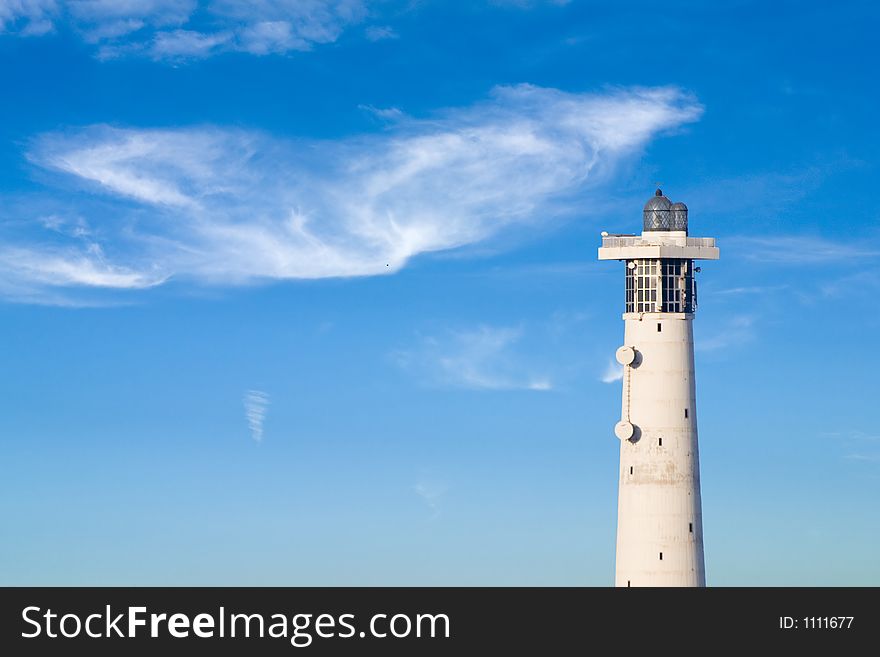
x=659, y=516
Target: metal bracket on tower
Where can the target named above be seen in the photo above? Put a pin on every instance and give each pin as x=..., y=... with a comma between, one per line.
x=626, y=356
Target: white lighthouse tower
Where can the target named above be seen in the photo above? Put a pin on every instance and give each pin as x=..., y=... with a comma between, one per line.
x=659, y=517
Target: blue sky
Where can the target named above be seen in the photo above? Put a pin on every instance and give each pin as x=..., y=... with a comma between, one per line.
x=307, y=292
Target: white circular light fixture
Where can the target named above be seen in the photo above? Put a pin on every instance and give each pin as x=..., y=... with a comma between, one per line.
x=625, y=355
x=624, y=430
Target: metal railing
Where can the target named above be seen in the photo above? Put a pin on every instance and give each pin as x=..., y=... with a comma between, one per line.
x=616, y=242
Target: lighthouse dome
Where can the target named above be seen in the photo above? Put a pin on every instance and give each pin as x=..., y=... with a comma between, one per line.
x=658, y=212
x=679, y=216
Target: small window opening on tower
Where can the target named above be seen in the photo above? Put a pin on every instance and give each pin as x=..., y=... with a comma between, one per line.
x=630, y=469
x=691, y=527
x=685, y=413
x=661, y=556
x=658, y=327
x=660, y=442
x=628, y=583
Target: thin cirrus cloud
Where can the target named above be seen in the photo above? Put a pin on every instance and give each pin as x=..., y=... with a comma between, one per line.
x=187, y=29
x=738, y=330
x=227, y=206
x=28, y=17
x=613, y=372
x=804, y=249
x=481, y=358
x=380, y=33
x=860, y=446
x=431, y=493
x=256, y=403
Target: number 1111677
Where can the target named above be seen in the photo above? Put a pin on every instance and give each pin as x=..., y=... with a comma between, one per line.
x=816, y=623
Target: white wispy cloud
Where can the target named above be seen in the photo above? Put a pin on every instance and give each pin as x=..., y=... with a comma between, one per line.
x=735, y=331
x=613, y=372
x=869, y=458
x=431, y=493
x=256, y=403
x=853, y=436
x=70, y=268
x=230, y=206
x=174, y=44
x=802, y=249
x=859, y=445
x=528, y=4
x=384, y=113
x=72, y=226
x=764, y=194
x=539, y=356
x=751, y=290
x=186, y=29
x=483, y=358
x=380, y=33
x=28, y=17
